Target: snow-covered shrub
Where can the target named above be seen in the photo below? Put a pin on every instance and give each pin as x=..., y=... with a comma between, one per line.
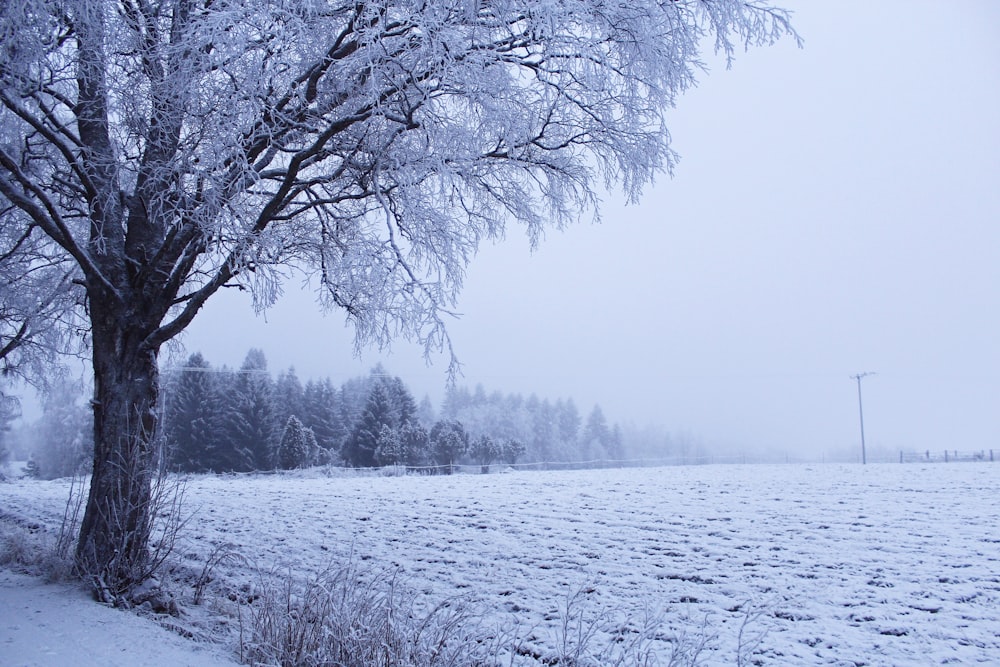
x=484, y=451
x=511, y=450
x=19, y=548
x=449, y=441
x=354, y=618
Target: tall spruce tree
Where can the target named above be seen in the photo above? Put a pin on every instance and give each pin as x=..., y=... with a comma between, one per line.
x=252, y=416
x=62, y=447
x=322, y=414
x=426, y=414
x=10, y=409
x=190, y=415
x=289, y=399
x=404, y=408
x=359, y=450
x=596, y=438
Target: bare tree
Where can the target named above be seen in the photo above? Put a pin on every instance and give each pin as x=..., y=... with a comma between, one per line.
x=153, y=152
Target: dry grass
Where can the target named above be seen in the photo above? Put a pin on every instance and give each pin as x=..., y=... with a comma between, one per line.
x=350, y=618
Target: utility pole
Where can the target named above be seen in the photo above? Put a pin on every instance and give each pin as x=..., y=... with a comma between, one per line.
x=861, y=414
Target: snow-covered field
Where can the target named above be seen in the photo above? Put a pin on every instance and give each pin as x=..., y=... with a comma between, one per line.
x=847, y=565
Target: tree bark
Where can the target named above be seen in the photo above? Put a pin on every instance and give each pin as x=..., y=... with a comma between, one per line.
x=113, y=549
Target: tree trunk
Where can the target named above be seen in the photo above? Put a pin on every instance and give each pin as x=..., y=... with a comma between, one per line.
x=113, y=549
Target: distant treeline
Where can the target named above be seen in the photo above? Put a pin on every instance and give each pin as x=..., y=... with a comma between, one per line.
x=219, y=419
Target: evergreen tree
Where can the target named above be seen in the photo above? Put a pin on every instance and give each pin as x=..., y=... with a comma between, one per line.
x=314, y=455
x=251, y=413
x=449, y=441
x=425, y=412
x=10, y=409
x=389, y=450
x=542, y=424
x=404, y=408
x=293, y=450
x=359, y=450
x=515, y=422
x=322, y=414
x=615, y=447
x=415, y=444
x=456, y=401
x=62, y=434
x=190, y=415
x=596, y=435
x=289, y=399
x=568, y=423
x=226, y=450
x=353, y=398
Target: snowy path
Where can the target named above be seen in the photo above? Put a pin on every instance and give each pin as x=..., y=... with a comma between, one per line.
x=54, y=625
x=849, y=565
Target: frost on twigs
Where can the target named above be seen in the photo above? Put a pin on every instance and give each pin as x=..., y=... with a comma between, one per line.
x=372, y=145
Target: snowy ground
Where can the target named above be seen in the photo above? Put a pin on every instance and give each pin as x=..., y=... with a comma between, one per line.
x=52, y=625
x=825, y=564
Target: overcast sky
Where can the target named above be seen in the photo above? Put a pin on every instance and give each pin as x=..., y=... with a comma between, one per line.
x=836, y=210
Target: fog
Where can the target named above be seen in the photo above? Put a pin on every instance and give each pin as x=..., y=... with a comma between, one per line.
x=835, y=211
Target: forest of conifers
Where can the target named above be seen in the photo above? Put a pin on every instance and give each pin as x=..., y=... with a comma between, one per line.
x=219, y=419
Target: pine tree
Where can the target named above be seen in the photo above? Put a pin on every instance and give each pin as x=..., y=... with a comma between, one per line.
x=415, y=444
x=596, y=435
x=425, y=412
x=10, y=409
x=456, y=401
x=293, y=450
x=359, y=450
x=322, y=414
x=615, y=447
x=288, y=400
x=251, y=417
x=568, y=423
x=353, y=398
x=314, y=455
x=190, y=415
x=542, y=424
x=389, y=450
x=404, y=408
x=63, y=433
x=226, y=450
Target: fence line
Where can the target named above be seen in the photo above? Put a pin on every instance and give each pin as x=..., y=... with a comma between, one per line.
x=595, y=464
x=947, y=456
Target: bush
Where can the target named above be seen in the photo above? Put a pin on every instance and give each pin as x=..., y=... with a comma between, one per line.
x=350, y=618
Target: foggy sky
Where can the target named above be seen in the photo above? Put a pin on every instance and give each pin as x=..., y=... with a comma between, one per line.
x=836, y=210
